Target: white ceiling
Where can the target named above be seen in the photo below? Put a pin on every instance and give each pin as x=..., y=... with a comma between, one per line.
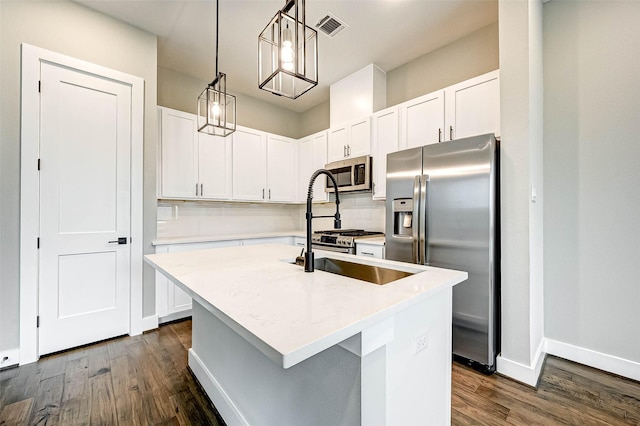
x=388, y=33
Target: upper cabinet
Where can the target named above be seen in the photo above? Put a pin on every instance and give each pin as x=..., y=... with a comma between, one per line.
x=473, y=107
x=469, y=108
x=386, y=138
x=264, y=166
x=282, y=170
x=249, y=165
x=192, y=165
x=352, y=139
x=422, y=120
x=312, y=155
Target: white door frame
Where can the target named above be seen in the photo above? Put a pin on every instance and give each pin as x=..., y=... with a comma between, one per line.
x=30, y=192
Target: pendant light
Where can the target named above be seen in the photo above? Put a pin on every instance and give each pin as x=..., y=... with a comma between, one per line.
x=217, y=108
x=288, y=53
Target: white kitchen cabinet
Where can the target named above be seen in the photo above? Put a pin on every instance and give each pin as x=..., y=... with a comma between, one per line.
x=192, y=165
x=370, y=250
x=386, y=138
x=352, y=139
x=249, y=164
x=282, y=170
x=312, y=155
x=473, y=107
x=178, y=154
x=299, y=241
x=171, y=302
x=422, y=120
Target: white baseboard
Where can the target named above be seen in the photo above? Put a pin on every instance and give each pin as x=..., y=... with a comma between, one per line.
x=9, y=358
x=227, y=409
x=612, y=364
x=527, y=374
x=149, y=323
x=175, y=316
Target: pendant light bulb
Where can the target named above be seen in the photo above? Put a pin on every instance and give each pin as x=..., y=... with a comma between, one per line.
x=287, y=54
x=215, y=110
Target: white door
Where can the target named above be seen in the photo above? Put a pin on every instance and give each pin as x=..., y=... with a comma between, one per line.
x=85, y=144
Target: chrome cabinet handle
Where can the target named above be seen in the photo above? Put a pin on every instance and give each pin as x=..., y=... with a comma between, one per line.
x=201, y=191
x=450, y=132
x=439, y=135
x=269, y=193
x=367, y=253
x=344, y=150
x=196, y=189
x=263, y=193
x=349, y=150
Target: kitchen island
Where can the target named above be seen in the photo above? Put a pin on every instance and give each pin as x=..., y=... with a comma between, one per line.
x=272, y=344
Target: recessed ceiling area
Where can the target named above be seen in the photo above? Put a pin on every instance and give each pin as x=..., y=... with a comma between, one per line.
x=388, y=33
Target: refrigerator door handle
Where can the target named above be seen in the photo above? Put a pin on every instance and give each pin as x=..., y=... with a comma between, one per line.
x=415, y=226
x=422, y=219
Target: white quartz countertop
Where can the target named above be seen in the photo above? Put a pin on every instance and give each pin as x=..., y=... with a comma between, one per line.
x=286, y=313
x=211, y=238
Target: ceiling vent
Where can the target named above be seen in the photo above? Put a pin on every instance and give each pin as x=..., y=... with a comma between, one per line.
x=330, y=25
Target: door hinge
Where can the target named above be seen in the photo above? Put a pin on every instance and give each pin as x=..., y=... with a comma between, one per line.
x=38, y=242
x=38, y=164
x=39, y=86
x=38, y=321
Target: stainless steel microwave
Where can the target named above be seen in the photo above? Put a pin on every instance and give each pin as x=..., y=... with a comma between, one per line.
x=352, y=174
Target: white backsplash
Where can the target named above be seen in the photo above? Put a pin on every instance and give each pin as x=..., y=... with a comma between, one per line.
x=180, y=219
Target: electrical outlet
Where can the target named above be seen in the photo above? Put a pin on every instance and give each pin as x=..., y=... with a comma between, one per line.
x=420, y=342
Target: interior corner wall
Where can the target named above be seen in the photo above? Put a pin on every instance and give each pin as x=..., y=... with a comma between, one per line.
x=591, y=155
x=71, y=29
x=517, y=101
x=180, y=91
x=467, y=57
x=314, y=120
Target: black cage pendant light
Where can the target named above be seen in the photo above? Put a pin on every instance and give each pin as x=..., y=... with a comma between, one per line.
x=217, y=108
x=288, y=53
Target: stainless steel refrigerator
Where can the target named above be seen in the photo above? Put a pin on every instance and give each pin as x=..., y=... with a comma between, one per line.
x=442, y=210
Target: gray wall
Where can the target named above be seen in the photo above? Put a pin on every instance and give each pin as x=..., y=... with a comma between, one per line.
x=180, y=91
x=73, y=30
x=592, y=175
x=470, y=56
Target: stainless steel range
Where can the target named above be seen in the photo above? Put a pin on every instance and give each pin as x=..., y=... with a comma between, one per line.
x=340, y=240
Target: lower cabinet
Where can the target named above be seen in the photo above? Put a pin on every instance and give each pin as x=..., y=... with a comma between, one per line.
x=268, y=240
x=370, y=250
x=171, y=302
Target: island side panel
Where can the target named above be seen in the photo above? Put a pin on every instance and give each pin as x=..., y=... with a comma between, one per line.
x=419, y=381
x=249, y=388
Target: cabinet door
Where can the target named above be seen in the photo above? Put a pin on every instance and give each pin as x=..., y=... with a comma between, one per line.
x=305, y=166
x=385, y=140
x=249, y=165
x=359, y=142
x=337, y=144
x=179, y=154
x=370, y=250
x=318, y=161
x=281, y=169
x=473, y=107
x=422, y=120
x=214, y=166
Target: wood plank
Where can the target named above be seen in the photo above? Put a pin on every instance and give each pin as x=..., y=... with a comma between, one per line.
x=75, y=411
x=16, y=413
x=483, y=410
x=46, y=408
x=102, y=400
x=76, y=379
x=126, y=391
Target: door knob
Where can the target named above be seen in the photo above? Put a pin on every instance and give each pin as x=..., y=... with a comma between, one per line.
x=120, y=240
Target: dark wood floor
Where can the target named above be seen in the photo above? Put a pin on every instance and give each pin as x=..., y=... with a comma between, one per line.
x=144, y=380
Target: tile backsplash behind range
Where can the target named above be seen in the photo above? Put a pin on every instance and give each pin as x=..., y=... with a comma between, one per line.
x=178, y=219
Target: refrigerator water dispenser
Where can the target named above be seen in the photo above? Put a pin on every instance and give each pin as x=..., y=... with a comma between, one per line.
x=402, y=216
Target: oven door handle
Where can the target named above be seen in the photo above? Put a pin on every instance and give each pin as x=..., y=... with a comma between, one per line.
x=347, y=250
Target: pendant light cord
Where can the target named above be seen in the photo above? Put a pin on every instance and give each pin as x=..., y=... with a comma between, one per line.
x=217, y=32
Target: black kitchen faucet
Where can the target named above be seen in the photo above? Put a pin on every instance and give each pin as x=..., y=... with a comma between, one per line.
x=308, y=256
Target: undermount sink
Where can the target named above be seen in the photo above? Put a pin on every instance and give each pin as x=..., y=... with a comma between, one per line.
x=373, y=274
